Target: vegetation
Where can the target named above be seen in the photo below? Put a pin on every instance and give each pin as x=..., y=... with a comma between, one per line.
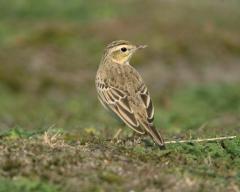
x=54, y=134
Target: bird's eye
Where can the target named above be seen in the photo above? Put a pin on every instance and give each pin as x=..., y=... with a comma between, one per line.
x=123, y=49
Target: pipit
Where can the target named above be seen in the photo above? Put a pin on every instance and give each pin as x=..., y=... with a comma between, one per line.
x=122, y=90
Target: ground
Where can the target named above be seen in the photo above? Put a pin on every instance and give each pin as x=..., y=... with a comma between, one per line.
x=55, y=135
x=68, y=163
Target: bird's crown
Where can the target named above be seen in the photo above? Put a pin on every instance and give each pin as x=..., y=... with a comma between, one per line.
x=120, y=51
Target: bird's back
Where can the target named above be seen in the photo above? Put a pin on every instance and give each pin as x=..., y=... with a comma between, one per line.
x=123, y=77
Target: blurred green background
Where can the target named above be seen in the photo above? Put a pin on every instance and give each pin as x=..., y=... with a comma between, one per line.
x=50, y=51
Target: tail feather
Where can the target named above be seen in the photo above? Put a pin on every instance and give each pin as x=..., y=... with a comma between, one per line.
x=156, y=136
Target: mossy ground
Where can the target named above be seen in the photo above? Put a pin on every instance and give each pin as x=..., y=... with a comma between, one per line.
x=54, y=134
x=68, y=163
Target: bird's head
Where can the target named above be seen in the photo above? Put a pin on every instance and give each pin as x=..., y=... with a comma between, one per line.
x=121, y=51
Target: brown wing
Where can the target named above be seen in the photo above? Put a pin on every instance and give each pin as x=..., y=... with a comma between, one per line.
x=147, y=122
x=117, y=100
x=145, y=96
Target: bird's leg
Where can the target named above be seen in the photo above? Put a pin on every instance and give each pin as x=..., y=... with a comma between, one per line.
x=116, y=135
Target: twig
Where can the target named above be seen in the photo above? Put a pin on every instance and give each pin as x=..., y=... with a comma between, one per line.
x=201, y=140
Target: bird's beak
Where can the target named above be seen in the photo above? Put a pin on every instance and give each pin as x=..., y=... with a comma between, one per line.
x=138, y=47
x=141, y=46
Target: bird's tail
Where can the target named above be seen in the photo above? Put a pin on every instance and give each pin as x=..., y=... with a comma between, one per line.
x=156, y=136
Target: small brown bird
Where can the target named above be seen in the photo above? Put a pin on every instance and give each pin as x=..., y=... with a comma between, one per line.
x=122, y=90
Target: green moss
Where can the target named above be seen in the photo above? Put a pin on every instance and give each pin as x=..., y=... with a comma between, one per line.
x=111, y=177
x=25, y=185
x=232, y=147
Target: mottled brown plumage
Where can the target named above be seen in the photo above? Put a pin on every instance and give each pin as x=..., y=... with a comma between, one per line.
x=122, y=90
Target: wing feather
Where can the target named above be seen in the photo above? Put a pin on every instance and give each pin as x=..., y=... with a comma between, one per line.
x=148, y=123
x=117, y=101
x=145, y=96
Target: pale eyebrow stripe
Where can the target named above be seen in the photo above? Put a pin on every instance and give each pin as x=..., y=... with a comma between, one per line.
x=118, y=43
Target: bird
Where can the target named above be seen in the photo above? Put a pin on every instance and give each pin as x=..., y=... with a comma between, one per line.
x=121, y=89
